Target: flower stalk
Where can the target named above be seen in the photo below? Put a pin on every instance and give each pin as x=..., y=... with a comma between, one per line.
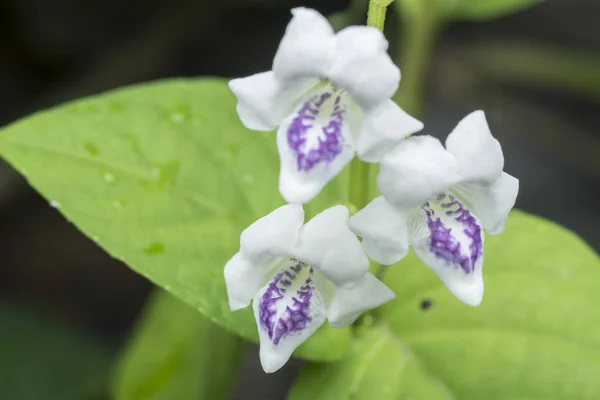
x=359, y=170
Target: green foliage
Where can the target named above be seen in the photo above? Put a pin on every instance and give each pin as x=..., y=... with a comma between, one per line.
x=164, y=177
x=466, y=9
x=176, y=353
x=481, y=10
x=573, y=71
x=44, y=360
x=379, y=366
x=537, y=332
x=535, y=336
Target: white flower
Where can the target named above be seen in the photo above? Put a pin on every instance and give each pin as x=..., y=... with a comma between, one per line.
x=330, y=97
x=299, y=275
x=438, y=200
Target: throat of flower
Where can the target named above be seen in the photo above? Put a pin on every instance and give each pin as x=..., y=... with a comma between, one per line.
x=315, y=134
x=455, y=235
x=286, y=302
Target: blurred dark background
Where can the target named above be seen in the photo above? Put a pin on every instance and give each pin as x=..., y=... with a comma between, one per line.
x=535, y=73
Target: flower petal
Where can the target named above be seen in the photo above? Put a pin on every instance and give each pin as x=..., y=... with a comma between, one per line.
x=478, y=154
x=363, y=67
x=262, y=246
x=383, y=127
x=314, y=145
x=491, y=203
x=306, y=49
x=383, y=229
x=415, y=170
x=273, y=235
x=348, y=304
x=244, y=278
x=288, y=310
x=327, y=244
x=263, y=101
x=448, y=238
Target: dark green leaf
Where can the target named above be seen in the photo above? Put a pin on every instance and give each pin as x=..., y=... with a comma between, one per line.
x=45, y=360
x=176, y=353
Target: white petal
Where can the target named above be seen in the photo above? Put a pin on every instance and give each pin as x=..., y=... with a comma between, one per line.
x=315, y=144
x=327, y=244
x=491, y=203
x=288, y=310
x=306, y=49
x=244, y=278
x=415, y=170
x=348, y=304
x=383, y=229
x=363, y=67
x=478, y=154
x=263, y=101
x=273, y=235
x=383, y=127
x=448, y=238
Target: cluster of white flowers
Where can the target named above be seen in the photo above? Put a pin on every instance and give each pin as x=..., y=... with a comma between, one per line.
x=328, y=96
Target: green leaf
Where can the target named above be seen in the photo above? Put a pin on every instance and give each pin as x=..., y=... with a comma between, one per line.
x=176, y=353
x=488, y=9
x=44, y=360
x=466, y=9
x=378, y=367
x=573, y=70
x=536, y=334
x=164, y=177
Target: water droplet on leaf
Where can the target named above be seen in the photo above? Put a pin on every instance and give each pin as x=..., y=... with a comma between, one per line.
x=54, y=204
x=91, y=149
x=154, y=248
x=180, y=114
x=118, y=203
x=248, y=178
x=109, y=178
x=163, y=175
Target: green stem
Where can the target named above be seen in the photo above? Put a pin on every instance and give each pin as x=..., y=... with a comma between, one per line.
x=376, y=13
x=419, y=30
x=359, y=170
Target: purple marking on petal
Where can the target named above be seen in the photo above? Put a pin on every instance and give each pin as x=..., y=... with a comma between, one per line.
x=444, y=245
x=295, y=317
x=330, y=142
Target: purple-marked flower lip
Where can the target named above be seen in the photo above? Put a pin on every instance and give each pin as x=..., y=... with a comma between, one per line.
x=455, y=235
x=285, y=304
x=315, y=133
x=297, y=276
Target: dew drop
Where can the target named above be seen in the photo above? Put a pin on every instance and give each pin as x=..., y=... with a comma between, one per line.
x=163, y=175
x=248, y=178
x=115, y=107
x=155, y=248
x=231, y=150
x=118, y=203
x=180, y=114
x=54, y=204
x=109, y=178
x=91, y=149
